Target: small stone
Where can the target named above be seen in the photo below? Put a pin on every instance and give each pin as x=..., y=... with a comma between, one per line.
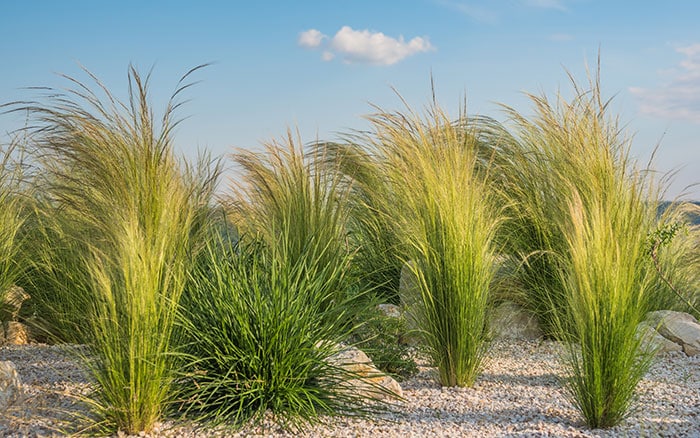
x=10, y=384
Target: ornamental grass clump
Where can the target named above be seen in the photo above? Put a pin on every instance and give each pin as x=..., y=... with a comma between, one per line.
x=586, y=211
x=372, y=235
x=437, y=199
x=257, y=337
x=261, y=316
x=607, y=281
x=129, y=212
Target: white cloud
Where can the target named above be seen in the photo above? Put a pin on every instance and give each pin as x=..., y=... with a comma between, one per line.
x=679, y=98
x=364, y=46
x=311, y=38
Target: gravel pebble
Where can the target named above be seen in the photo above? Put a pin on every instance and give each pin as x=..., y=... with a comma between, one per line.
x=519, y=394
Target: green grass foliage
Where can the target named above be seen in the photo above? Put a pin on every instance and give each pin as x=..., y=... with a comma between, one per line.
x=587, y=217
x=432, y=194
x=259, y=318
x=132, y=255
x=124, y=213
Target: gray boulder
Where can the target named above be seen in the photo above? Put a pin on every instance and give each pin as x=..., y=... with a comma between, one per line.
x=652, y=340
x=370, y=382
x=681, y=328
x=511, y=321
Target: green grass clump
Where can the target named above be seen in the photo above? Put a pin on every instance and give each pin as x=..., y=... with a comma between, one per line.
x=372, y=235
x=589, y=211
x=257, y=338
x=286, y=199
x=126, y=214
x=677, y=259
x=608, y=283
x=435, y=197
x=260, y=318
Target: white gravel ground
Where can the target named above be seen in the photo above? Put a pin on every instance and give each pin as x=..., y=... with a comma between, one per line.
x=519, y=394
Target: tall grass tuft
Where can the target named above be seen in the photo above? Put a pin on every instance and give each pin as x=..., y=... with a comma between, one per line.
x=128, y=215
x=607, y=281
x=261, y=317
x=378, y=247
x=585, y=211
x=436, y=198
x=287, y=199
x=259, y=336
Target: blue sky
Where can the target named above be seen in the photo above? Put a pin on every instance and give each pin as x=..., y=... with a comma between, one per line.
x=317, y=65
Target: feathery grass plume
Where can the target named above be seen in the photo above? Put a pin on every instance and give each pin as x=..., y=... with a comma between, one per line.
x=134, y=211
x=448, y=219
x=288, y=200
x=585, y=211
x=608, y=283
x=379, y=252
x=564, y=145
x=262, y=316
x=13, y=215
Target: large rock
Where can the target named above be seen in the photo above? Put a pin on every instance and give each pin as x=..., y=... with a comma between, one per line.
x=10, y=385
x=511, y=321
x=652, y=340
x=681, y=328
x=370, y=382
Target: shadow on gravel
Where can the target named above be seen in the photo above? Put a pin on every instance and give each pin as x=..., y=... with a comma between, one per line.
x=52, y=380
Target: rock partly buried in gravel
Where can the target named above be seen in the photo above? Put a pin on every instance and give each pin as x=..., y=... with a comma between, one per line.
x=681, y=328
x=371, y=382
x=511, y=321
x=653, y=340
x=10, y=385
